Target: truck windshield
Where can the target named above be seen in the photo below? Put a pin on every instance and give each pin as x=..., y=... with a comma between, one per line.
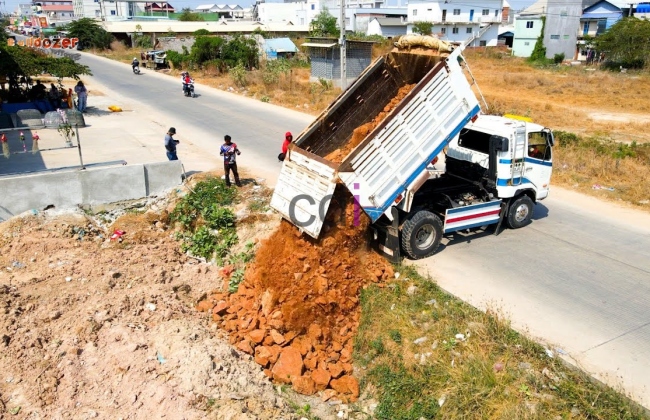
x=538, y=145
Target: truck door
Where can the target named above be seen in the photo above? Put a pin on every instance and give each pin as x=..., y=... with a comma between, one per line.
x=538, y=162
x=518, y=156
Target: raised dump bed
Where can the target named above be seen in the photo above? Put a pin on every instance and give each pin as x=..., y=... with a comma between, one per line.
x=402, y=135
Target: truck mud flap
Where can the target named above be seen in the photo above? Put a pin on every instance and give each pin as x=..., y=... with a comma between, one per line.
x=386, y=243
x=386, y=239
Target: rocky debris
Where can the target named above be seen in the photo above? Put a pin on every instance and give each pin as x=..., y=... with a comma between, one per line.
x=300, y=328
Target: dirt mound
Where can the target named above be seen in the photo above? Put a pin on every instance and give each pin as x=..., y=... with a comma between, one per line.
x=94, y=327
x=362, y=131
x=297, y=310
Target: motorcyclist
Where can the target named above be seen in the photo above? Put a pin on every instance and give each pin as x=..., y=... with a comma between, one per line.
x=135, y=63
x=187, y=80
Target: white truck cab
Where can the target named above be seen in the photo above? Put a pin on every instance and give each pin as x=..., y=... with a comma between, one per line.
x=522, y=162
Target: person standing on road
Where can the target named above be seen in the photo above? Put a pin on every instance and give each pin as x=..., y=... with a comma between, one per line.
x=288, y=138
x=170, y=144
x=82, y=96
x=229, y=151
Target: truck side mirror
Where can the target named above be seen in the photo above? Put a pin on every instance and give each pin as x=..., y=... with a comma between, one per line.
x=500, y=144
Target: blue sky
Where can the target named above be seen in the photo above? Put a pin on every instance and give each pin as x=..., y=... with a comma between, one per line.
x=9, y=6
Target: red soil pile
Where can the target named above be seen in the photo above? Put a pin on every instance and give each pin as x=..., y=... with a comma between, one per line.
x=362, y=131
x=297, y=309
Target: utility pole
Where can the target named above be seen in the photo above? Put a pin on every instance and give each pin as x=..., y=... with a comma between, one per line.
x=344, y=79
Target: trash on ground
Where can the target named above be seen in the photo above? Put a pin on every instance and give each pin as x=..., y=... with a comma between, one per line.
x=600, y=187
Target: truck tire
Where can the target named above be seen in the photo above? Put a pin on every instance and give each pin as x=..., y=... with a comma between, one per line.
x=421, y=234
x=520, y=212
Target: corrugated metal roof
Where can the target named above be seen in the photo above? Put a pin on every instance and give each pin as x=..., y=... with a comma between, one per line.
x=126, y=26
x=391, y=21
x=317, y=45
x=280, y=45
x=537, y=8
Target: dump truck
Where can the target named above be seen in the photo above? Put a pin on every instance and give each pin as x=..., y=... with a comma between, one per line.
x=496, y=167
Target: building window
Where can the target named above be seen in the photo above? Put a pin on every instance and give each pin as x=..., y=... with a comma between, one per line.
x=313, y=7
x=529, y=24
x=496, y=13
x=585, y=28
x=469, y=30
x=564, y=13
x=566, y=37
x=443, y=30
x=602, y=26
x=456, y=12
x=415, y=12
x=555, y=36
x=112, y=12
x=526, y=43
x=454, y=30
x=486, y=12
x=482, y=43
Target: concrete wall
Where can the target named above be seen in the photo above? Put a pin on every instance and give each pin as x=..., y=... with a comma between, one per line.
x=561, y=29
x=91, y=186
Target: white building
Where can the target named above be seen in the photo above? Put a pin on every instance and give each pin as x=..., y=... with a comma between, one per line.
x=106, y=9
x=459, y=21
x=299, y=13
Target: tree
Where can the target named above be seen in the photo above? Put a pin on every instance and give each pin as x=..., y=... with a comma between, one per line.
x=626, y=43
x=423, y=28
x=206, y=48
x=188, y=16
x=16, y=62
x=90, y=33
x=539, y=51
x=240, y=50
x=324, y=24
x=4, y=22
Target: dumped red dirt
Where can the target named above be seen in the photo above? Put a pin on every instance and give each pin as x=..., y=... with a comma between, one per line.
x=362, y=131
x=297, y=309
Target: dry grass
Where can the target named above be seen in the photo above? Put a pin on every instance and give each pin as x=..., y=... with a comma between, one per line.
x=429, y=355
x=602, y=108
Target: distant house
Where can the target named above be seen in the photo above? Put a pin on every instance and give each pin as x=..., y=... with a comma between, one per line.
x=388, y=27
x=596, y=19
x=159, y=7
x=279, y=48
x=528, y=27
x=325, y=55
x=559, y=36
x=226, y=11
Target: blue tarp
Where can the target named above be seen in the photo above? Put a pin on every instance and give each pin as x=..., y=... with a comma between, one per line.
x=279, y=45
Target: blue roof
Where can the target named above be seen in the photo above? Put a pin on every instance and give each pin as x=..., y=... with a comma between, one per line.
x=280, y=45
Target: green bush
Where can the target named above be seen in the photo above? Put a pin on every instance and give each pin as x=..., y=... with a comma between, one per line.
x=558, y=58
x=207, y=226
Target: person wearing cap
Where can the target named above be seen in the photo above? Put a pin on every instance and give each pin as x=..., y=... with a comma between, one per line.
x=170, y=144
x=229, y=151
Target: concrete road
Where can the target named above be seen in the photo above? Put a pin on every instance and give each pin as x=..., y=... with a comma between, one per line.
x=258, y=128
x=578, y=278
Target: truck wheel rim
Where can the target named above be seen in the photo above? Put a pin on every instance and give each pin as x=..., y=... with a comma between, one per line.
x=522, y=213
x=424, y=237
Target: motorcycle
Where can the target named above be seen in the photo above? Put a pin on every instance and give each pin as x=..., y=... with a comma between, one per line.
x=136, y=69
x=188, y=89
